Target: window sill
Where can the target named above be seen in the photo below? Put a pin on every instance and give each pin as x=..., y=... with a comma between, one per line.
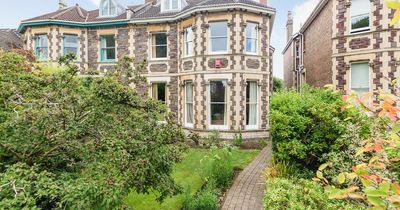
x=250, y=53
x=218, y=127
x=360, y=30
x=251, y=127
x=191, y=126
x=218, y=53
x=158, y=59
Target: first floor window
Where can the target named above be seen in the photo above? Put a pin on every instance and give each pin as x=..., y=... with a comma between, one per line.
x=70, y=44
x=218, y=102
x=251, y=38
x=360, y=10
x=219, y=37
x=359, y=77
x=159, y=45
x=159, y=91
x=188, y=41
x=189, y=103
x=251, y=104
x=41, y=47
x=107, y=45
x=170, y=5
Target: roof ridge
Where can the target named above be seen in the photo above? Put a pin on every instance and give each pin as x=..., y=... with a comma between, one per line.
x=62, y=12
x=79, y=11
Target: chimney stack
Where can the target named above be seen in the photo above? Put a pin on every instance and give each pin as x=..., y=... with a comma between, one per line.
x=61, y=4
x=149, y=1
x=289, y=26
x=264, y=2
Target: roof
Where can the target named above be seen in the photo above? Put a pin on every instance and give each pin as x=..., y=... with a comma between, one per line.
x=144, y=13
x=308, y=22
x=10, y=39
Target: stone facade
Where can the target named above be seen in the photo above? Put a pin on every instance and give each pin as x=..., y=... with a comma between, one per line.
x=377, y=46
x=237, y=66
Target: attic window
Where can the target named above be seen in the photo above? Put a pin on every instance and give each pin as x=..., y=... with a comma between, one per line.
x=170, y=5
x=108, y=8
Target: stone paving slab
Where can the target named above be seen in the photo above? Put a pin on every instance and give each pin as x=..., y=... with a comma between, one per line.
x=247, y=192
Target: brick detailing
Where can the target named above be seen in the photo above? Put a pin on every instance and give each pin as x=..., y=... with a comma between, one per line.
x=204, y=113
x=264, y=102
x=187, y=65
x=158, y=67
x=252, y=63
x=242, y=40
x=173, y=48
x=141, y=48
x=232, y=40
x=233, y=102
x=378, y=15
x=82, y=42
x=60, y=43
x=392, y=71
x=360, y=43
x=173, y=89
x=393, y=35
x=204, y=28
x=378, y=40
x=122, y=42
x=181, y=101
x=50, y=44
x=195, y=40
x=224, y=62
x=265, y=46
x=242, y=102
x=247, y=191
x=93, y=48
x=377, y=75
x=341, y=25
x=341, y=72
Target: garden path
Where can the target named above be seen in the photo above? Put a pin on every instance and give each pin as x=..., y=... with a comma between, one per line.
x=247, y=191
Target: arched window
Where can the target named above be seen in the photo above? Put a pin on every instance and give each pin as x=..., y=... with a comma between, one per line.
x=109, y=8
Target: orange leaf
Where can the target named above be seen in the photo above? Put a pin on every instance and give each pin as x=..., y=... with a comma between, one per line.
x=397, y=187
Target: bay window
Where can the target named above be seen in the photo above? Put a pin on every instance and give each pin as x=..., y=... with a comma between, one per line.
x=188, y=41
x=107, y=49
x=360, y=12
x=189, y=104
x=251, y=38
x=41, y=47
x=159, y=45
x=219, y=37
x=251, y=105
x=70, y=44
x=359, y=78
x=218, y=104
x=159, y=91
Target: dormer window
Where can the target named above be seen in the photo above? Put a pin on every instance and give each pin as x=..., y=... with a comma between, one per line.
x=110, y=8
x=171, y=5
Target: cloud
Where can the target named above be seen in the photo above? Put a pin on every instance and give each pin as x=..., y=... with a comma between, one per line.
x=301, y=12
x=95, y=2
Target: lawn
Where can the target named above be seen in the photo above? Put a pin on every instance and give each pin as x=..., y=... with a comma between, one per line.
x=189, y=174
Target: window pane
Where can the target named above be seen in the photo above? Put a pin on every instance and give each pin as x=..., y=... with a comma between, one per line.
x=217, y=89
x=251, y=45
x=361, y=21
x=189, y=92
x=251, y=30
x=161, y=51
x=166, y=4
x=161, y=39
x=189, y=48
x=189, y=113
x=42, y=41
x=159, y=91
x=174, y=4
x=219, y=44
x=110, y=42
x=360, y=11
x=360, y=77
x=113, y=9
x=251, y=106
x=110, y=54
x=219, y=29
x=189, y=102
x=218, y=114
x=68, y=50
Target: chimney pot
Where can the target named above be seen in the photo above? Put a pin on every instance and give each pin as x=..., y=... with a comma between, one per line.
x=61, y=4
x=264, y=2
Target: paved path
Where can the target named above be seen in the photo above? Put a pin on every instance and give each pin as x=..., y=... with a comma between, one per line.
x=247, y=191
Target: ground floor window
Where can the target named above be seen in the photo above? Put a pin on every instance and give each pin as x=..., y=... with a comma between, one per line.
x=251, y=104
x=70, y=44
x=159, y=91
x=359, y=78
x=41, y=47
x=218, y=104
x=189, y=103
x=107, y=48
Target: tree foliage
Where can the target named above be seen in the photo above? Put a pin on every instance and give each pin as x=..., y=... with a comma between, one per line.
x=80, y=142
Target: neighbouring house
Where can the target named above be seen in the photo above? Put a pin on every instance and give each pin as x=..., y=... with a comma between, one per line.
x=209, y=61
x=347, y=43
x=10, y=39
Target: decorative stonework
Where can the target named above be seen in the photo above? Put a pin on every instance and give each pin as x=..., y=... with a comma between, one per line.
x=93, y=48
x=224, y=62
x=360, y=43
x=158, y=67
x=187, y=65
x=252, y=63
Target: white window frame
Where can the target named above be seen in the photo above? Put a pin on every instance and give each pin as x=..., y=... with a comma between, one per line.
x=38, y=46
x=163, y=9
x=226, y=103
x=253, y=127
x=154, y=46
x=211, y=37
x=360, y=30
x=108, y=14
x=369, y=75
x=65, y=44
x=186, y=42
x=252, y=38
x=189, y=125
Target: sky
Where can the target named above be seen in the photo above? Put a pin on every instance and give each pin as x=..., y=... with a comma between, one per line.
x=12, y=12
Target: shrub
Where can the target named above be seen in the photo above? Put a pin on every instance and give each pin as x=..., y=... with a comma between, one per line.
x=305, y=126
x=221, y=170
x=207, y=199
x=212, y=140
x=280, y=170
x=238, y=139
x=300, y=194
x=277, y=84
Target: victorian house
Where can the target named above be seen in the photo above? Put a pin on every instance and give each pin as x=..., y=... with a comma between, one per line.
x=209, y=61
x=347, y=43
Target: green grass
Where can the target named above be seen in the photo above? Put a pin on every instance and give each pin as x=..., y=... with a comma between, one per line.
x=189, y=174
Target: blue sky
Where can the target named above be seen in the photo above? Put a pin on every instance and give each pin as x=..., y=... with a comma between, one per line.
x=16, y=10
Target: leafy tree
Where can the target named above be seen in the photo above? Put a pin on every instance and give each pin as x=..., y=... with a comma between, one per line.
x=81, y=142
x=277, y=84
